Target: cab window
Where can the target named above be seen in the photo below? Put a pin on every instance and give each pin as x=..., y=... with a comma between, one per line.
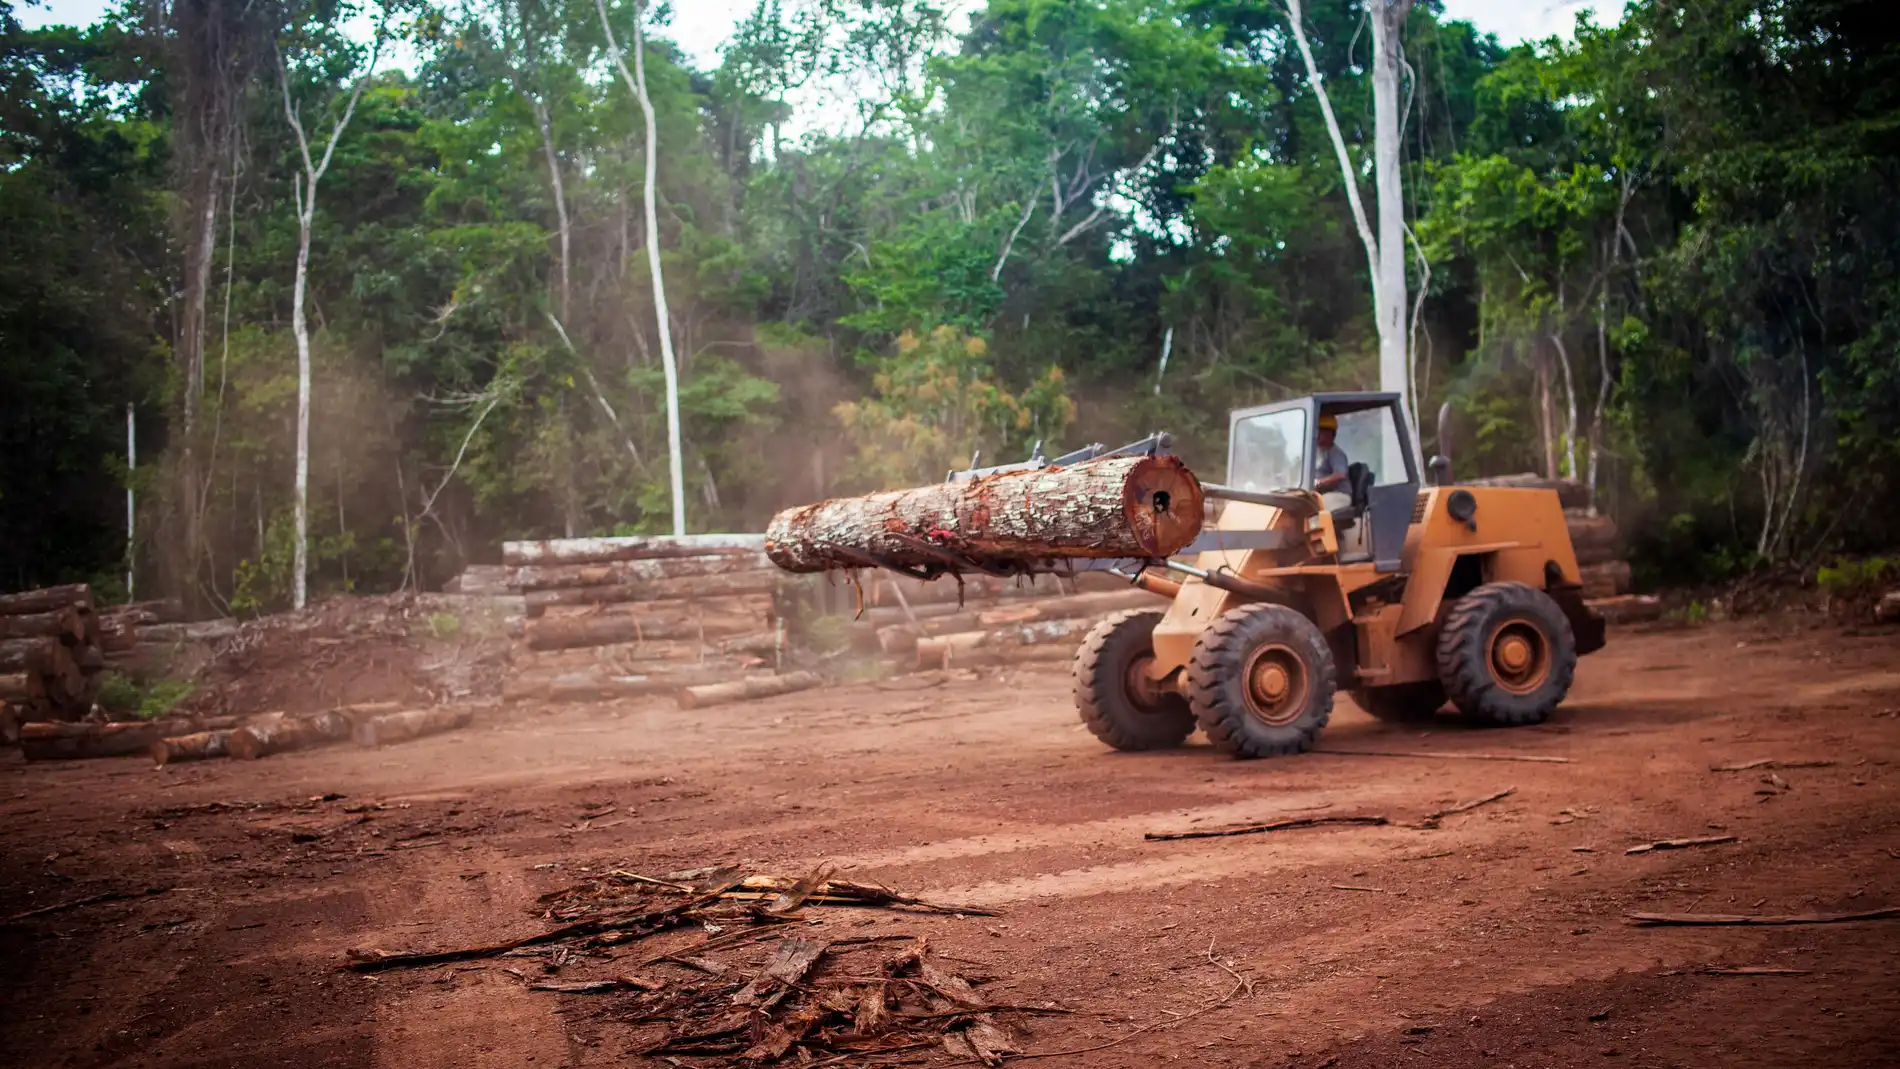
x=1369, y=436
x=1269, y=451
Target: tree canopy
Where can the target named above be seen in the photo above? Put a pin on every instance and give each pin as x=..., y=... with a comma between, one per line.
x=1662, y=256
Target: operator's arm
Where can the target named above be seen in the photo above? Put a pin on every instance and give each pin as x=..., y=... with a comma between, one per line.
x=1335, y=462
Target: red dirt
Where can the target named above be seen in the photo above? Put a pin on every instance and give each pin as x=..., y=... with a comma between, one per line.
x=1497, y=939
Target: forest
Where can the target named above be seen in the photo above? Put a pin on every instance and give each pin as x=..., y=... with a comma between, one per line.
x=1661, y=257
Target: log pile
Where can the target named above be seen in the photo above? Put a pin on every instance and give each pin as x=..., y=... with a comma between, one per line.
x=1594, y=536
x=50, y=653
x=609, y=618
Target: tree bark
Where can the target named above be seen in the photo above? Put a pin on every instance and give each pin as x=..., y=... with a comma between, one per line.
x=637, y=83
x=256, y=740
x=197, y=746
x=759, y=581
x=608, y=550
x=938, y=651
x=1606, y=580
x=567, y=632
x=415, y=723
x=15, y=689
x=739, y=690
x=57, y=742
x=47, y=599
x=536, y=577
x=1113, y=507
x=1395, y=368
x=63, y=624
x=16, y=653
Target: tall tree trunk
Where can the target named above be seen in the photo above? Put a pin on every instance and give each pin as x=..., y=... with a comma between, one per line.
x=1603, y=394
x=1385, y=251
x=1395, y=372
x=306, y=204
x=637, y=83
x=546, y=124
x=200, y=252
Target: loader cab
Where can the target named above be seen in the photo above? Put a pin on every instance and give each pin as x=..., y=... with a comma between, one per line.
x=1273, y=447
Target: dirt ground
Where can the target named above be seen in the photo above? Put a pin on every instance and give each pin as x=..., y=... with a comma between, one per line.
x=1496, y=939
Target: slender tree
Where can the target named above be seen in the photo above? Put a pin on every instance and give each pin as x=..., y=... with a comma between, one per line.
x=305, y=202
x=637, y=84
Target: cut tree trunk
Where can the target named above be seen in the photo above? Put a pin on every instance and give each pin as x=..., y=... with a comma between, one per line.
x=45, y=600
x=16, y=652
x=65, y=742
x=143, y=612
x=64, y=624
x=1628, y=609
x=1606, y=580
x=1573, y=494
x=414, y=723
x=748, y=582
x=10, y=720
x=759, y=642
x=570, y=632
x=600, y=686
x=669, y=653
x=530, y=578
x=938, y=651
x=197, y=746
x=15, y=688
x=902, y=637
x=603, y=550
x=747, y=689
x=256, y=740
x=1108, y=508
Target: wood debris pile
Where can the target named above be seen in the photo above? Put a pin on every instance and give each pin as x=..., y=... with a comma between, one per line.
x=768, y=984
x=608, y=618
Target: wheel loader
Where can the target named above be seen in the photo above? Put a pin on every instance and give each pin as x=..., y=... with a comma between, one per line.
x=1403, y=594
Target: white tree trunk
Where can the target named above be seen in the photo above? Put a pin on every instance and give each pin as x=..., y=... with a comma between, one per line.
x=306, y=198
x=637, y=82
x=545, y=121
x=1385, y=251
x=1570, y=407
x=1395, y=373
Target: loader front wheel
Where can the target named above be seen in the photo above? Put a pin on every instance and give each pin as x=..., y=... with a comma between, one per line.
x=1506, y=654
x=1262, y=681
x=1119, y=704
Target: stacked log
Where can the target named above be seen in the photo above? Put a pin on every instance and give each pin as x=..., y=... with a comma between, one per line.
x=50, y=655
x=45, y=741
x=608, y=618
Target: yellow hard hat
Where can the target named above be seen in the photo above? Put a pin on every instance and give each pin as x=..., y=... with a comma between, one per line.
x=1329, y=423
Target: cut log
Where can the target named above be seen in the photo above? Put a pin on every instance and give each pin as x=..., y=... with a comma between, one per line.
x=117, y=637
x=488, y=580
x=673, y=653
x=1594, y=538
x=1107, y=508
x=10, y=720
x=1572, y=493
x=603, y=550
x=580, y=632
x=747, y=582
x=411, y=724
x=66, y=742
x=758, y=642
x=1606, y=580
x=15, y=652
x=197, y=746
x=14, y=688
x=600, y=686
x=902, y=638
x=1628, y=609
x=747, y=689
x=758, y=606
x=1004, y=656
x=255, y=740
x=175, y=634
x=530, y=578
x=1887, y=609
x=938, y=650
x=64, y=624
x=46, y=600
x=144, y=612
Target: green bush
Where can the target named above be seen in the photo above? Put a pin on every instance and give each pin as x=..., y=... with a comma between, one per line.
x=117, y=694
x=443, y=625
x=829, y=634
x=1848, y=578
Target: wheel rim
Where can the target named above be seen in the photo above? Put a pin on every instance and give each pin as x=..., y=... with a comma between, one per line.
x=1143, y=692
x=1519, y=656
x=1275, y=683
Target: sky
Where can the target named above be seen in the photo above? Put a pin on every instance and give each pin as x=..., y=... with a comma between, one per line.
x=701, y=26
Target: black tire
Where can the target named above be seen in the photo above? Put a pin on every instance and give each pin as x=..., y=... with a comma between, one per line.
x=1506, y=654
x=1403, y=702
x=1116, y=708
x=1241, y=660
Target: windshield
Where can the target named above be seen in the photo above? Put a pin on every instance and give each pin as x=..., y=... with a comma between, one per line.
x=1269, y=451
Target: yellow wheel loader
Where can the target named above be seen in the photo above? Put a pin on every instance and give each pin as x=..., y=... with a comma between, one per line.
x=1332, y=566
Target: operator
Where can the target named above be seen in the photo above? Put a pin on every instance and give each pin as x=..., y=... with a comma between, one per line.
x=1329, y=461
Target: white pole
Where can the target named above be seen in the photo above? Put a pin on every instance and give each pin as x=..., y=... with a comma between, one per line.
x=131, y=466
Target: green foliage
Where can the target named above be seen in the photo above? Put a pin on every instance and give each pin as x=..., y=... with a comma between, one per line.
x=829, y=634
x=1849, y=577
x=444, y=626
x=120, y=695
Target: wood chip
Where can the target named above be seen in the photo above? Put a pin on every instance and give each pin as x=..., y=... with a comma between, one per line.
x=1350, y=887
x=1678, y=844
x=1255, y=829
x=1769, y=762
x=600, y=987
x=1712, y=919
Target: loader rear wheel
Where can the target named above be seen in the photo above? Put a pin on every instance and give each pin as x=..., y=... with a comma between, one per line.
x=1402, y=702
x=1119, y=704
x=1262, y=681
x=1506, y=654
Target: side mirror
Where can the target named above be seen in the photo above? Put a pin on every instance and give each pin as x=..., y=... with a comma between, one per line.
x=1440, y=464
x=1439, y=470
